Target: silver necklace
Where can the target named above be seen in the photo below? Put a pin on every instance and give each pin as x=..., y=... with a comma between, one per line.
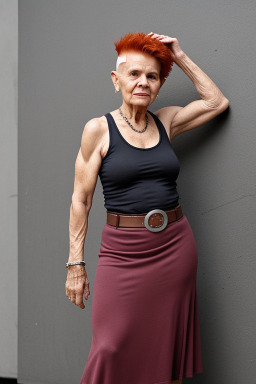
x=128, y=122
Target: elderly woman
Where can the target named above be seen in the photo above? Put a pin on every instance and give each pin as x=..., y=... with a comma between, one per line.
x=145, y=318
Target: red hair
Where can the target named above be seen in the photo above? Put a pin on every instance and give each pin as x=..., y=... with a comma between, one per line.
x=141, y=42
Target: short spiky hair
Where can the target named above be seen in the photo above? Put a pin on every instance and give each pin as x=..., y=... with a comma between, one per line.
x=141, y=42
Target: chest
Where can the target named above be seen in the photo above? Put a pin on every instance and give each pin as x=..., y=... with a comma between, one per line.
x=144, y=140
x=131, y=167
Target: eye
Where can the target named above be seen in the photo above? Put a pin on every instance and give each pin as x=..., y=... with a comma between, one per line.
x=134, y=73
x=152, y=76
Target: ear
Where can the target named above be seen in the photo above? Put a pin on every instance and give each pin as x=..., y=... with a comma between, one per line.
x=114, y=78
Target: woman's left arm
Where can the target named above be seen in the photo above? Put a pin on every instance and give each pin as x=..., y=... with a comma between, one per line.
x=198, y=112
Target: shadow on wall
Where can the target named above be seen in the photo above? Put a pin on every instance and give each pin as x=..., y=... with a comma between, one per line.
x=200, y=136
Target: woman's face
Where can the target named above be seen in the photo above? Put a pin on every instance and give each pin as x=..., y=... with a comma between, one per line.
x=138, y=78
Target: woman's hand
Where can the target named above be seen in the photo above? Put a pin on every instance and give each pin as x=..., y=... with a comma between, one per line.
x=77, y=285
x=171, y=42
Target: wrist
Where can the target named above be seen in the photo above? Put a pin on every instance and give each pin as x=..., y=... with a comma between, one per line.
x=180, y=57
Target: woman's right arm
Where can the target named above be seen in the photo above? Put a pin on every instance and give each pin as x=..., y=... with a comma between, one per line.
x=87, y=166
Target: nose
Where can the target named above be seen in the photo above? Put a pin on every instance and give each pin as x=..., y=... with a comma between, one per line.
x=143, y=82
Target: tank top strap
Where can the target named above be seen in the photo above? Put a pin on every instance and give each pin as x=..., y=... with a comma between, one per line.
x=160, y=126
x=114, y=134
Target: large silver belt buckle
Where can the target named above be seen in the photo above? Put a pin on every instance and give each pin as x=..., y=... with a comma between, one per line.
x=156, y=212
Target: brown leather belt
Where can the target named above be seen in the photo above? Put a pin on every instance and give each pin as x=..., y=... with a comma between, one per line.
x=155, y=220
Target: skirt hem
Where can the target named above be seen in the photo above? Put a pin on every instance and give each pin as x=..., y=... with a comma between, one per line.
x=185, y=375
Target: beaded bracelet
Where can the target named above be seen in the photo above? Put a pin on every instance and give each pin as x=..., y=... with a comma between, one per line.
x=76, y=263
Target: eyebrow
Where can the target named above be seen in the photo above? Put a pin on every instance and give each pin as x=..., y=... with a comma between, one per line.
x=139, y=70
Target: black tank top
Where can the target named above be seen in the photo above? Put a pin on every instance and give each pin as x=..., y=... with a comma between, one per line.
x=137, y=180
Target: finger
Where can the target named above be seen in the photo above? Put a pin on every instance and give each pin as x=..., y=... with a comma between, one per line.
x=154, y=35
x=86, y=293
x=165, y=40
x=68, y=293
x=79, y=300
x=73, y=297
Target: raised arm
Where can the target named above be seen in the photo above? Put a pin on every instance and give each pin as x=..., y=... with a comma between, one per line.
x=212, y=101
x=87, y=165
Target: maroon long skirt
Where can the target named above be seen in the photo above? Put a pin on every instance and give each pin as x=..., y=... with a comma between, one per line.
x=145, y=318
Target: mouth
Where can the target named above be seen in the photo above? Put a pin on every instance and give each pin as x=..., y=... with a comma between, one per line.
x=141, y=94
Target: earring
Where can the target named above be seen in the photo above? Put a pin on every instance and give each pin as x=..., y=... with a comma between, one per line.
x=157, y=95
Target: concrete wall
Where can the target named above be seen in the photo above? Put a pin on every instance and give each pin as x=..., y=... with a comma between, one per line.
x=66, y=53
x=8, y=190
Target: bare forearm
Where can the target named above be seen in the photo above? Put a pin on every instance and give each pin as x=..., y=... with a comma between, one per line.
x=205, y=87
x=78, y=224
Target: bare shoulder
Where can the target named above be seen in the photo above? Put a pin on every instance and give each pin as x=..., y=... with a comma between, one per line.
x=93, y=136
x=166, y=115
x=88, y=161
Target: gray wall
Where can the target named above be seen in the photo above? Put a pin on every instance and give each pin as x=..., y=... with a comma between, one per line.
x=8, y=190
x=66, y=53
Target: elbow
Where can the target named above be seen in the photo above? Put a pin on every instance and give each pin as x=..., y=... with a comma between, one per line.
x=218, y=104
x=224, y=104
x=221, y=105
x=82, y=199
